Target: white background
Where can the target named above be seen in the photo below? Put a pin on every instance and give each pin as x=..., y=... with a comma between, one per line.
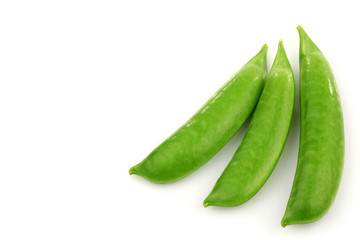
x=89, y=88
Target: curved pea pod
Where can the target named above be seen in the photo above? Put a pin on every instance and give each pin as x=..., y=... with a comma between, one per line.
x=321, y=151
x=263, y=143
x=203, y=135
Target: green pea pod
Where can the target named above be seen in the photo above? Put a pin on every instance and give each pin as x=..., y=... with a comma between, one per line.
x=321, y=152
x=263, y=142
x=200, y=138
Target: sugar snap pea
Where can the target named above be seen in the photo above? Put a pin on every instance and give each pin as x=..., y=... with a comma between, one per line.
x=194, y=143
x=263, y=142
x=321, y=151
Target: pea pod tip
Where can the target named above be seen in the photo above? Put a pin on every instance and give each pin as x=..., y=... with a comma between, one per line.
x=281, y=46
x=299, y=27
x=132, y=171
x=265, y=47
x=281, y=42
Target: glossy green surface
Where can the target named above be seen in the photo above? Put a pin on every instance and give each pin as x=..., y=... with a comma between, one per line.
x=263, y=142
x=321, y=153
x=199, y=139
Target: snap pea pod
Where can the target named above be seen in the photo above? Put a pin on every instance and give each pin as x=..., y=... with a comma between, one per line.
x=203, y=135
x=321, y=151
x=263, y=142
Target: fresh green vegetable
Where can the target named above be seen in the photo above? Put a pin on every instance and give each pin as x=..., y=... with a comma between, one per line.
x=263, y=142
x=321, y=153
x=199, y=139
